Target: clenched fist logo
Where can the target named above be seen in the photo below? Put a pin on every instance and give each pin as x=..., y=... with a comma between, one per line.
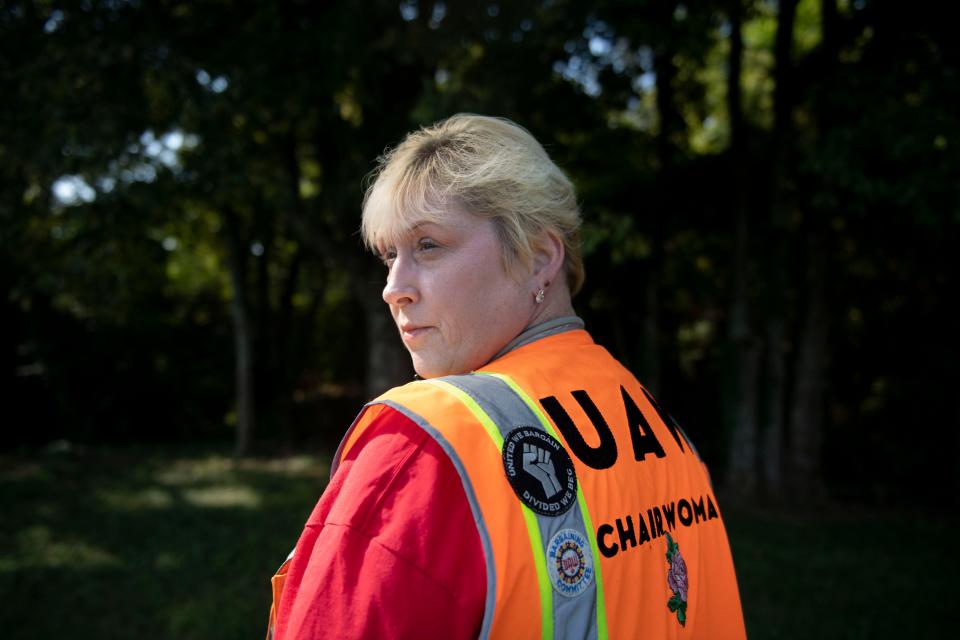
x=533, y=457
x=536, y=462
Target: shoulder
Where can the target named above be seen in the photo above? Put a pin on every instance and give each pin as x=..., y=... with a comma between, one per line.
x=393, y=523
x=395, y=483
x=384, y=451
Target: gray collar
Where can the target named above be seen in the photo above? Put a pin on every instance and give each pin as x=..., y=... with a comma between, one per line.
x=542, y=330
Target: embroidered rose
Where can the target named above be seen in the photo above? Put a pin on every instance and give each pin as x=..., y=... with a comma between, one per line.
x=677, y=581
x=677, y=576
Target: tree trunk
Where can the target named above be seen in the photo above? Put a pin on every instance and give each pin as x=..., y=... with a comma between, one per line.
x=671, y=123
x=650, y=354
x=242, y=335
x=775, y=385
x=741, y=480
x=806, y=412
x=778, y=259
x=288, y=363
x=388, y=363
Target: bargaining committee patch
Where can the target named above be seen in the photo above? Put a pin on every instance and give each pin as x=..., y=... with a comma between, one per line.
x=569, y=562
x=540, y=471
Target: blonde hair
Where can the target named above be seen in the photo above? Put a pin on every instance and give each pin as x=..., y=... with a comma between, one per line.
x=489, y=167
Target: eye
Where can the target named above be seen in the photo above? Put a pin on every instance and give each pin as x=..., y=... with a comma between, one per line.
x=387, y=256
x=425, y=244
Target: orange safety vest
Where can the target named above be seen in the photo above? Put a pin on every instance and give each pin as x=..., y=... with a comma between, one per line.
x=596, y=515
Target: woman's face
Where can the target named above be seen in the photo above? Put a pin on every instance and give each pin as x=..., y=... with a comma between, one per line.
x=454, y=303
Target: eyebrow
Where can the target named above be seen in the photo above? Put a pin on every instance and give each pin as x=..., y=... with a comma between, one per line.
x=411, y=230
x=419, y=225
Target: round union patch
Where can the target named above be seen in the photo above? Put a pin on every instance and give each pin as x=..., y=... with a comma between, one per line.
x=540, y=471
x=569, y=562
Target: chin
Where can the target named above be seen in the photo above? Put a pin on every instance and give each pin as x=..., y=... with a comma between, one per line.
x=427, y=373
x=426, y=369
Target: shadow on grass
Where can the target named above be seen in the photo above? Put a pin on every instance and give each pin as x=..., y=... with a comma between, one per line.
x=170, y=544
x=160, y=544
x=850, y=573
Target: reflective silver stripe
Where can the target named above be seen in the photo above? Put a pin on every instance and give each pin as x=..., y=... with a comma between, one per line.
x=474, y=508
x=542, y=330
x=289, y=557
x=573, y=617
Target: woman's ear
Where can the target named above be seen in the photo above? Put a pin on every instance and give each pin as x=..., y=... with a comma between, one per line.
x=548, y=256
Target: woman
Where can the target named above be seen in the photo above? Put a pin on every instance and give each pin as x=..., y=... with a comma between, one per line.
x=527, y=486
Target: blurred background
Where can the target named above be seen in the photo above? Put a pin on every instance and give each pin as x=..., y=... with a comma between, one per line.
x=771, y=195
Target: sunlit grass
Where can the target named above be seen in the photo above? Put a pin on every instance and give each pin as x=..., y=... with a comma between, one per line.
x=223, y=496
x=37, y=548
x=147, y=544
x=149, y=498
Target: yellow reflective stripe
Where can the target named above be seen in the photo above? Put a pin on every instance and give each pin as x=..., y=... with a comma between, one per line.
x=489, y=425
x=543, y=580
x=529, y=517
x=581, y=500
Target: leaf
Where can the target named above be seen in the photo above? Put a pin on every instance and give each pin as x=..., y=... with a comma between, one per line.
x=682, y=616
x=674, y=603
x=672, y=547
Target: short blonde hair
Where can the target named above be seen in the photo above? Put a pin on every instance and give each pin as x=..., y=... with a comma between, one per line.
x=489, y=167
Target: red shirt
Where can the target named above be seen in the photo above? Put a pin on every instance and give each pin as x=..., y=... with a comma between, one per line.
x=391, y=550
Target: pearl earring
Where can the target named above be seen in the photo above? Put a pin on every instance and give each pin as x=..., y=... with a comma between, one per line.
x=539, y=296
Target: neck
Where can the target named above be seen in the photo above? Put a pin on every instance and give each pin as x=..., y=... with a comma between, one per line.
x=555, y=305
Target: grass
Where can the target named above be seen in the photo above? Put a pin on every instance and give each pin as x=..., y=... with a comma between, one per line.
x=850, y=574
x=147, y=544
x=172, y=544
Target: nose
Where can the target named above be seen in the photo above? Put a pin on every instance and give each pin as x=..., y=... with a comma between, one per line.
x=401, y=286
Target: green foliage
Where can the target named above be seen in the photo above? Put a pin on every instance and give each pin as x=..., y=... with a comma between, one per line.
x=213, y=152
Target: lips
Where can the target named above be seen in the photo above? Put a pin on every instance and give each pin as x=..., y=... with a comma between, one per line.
x=410, y=332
